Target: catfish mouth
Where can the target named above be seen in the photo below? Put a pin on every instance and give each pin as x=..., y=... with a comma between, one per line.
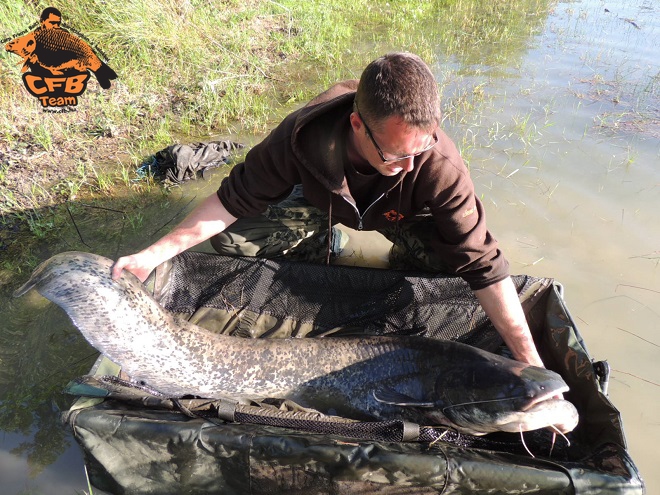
x=538, y=408
x=557, y=414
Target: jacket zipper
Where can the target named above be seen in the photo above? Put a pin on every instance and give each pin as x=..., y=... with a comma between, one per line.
x=360, y=217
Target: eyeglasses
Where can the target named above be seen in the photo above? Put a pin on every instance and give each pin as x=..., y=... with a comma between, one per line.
x=380, y=151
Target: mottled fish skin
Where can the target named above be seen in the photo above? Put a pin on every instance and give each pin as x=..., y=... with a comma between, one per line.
x=472, y=390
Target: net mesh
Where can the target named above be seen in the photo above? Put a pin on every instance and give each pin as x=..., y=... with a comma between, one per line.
x=330, y=299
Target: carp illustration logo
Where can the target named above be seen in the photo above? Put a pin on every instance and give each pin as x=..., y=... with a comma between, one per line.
x=57, y=63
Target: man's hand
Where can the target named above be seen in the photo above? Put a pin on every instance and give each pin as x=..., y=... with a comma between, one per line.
x=138, y=264
x=502, y=305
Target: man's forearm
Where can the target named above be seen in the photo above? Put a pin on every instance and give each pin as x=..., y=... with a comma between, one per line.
x=210, y=217
x=502, y=305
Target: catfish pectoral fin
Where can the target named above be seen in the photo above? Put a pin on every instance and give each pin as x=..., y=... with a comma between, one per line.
x=389, y=396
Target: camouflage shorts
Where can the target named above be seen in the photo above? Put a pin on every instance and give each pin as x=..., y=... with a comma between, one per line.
x=294, y=229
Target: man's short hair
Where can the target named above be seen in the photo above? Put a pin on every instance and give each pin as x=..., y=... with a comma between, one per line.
x=47, y=11
x=401, y=85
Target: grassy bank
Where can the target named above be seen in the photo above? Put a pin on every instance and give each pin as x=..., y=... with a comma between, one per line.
x=198, y=68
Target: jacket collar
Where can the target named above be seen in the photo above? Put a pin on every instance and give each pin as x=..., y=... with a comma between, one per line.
x=319, y=134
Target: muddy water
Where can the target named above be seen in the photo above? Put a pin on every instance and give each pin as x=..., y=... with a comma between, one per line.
x=574, y=193
x=582, y=203
x=563, y=145
x=565, y=156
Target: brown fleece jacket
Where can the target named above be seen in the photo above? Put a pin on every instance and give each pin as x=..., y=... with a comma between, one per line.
x=309, y=148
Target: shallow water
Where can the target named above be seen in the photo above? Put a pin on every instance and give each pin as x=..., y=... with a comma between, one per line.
x=575, y=194
x=583, y=206
x=563, y=142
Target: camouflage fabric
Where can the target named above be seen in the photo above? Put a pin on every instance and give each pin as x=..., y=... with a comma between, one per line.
x=411, y=245
x=292, y=228
x=295, y=230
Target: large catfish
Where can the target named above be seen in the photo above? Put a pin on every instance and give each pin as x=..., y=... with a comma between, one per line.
x=426, y=381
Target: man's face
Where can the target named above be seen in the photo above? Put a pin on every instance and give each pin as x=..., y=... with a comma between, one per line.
x=391, y=140
x=53, y=21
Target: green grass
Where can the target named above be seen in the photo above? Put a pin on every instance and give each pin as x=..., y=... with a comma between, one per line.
x=205, y=66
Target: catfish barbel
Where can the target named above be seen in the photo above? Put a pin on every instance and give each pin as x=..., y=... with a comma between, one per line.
x=426, y=381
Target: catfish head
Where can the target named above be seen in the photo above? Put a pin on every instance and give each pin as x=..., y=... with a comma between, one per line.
x=494, y=394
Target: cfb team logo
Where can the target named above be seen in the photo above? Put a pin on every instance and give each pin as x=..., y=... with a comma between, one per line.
x=57, y=63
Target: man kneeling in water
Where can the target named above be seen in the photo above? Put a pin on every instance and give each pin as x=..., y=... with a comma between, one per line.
x=370, y=155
